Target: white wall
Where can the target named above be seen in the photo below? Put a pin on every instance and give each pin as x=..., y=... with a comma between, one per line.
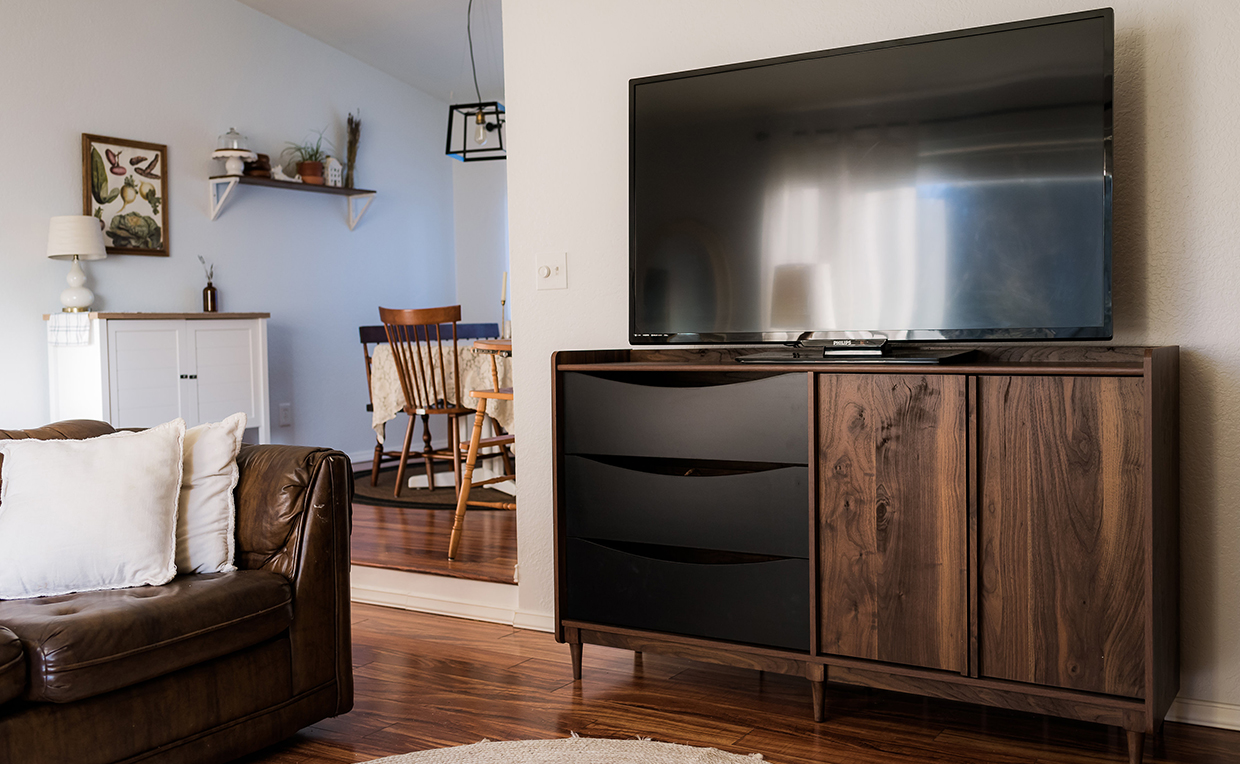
x=1177, y=181
x=480, y=214
x=180, y=72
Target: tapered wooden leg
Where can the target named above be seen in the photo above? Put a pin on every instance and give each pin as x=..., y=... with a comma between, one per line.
x=404, y=456
x=374, y=466
x=506, y=455
x=426, y=452
x=817, y=676
x=454, y=443
x=458, y=521
x=1136, y=746
x=574, y=652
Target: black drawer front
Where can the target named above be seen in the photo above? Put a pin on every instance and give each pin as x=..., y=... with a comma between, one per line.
x=760, y=603
x=647, y=414
x=760, y=512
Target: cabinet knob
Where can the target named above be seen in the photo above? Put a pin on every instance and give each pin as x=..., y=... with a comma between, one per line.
x=189, y=376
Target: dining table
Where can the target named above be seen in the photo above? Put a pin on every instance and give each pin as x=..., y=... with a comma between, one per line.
x=388, y=399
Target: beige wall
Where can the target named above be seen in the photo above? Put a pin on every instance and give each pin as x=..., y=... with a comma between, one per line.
x=1177, y=223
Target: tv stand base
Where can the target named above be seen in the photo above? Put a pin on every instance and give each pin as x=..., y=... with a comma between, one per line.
x=1127, y=714
x=891, y=355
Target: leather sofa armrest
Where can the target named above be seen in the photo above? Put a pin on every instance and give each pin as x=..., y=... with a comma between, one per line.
x=294, y=512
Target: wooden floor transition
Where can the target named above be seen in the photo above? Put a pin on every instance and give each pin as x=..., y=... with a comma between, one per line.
x=401, y=538
x=425, y=681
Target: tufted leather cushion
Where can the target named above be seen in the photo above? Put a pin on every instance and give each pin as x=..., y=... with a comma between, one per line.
x=275, y=477
x=293, y=506
x=72, y=429
x=84, y=644
x=12, y=666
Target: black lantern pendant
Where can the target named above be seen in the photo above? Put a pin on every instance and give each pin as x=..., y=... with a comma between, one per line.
x=476, y=131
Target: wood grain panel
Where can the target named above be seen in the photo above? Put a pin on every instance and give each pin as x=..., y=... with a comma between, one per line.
x=1163, y=433
x=847, y=532
x=1085, y=708
x=892, y=504
x=705, y=650
x=1061, y=532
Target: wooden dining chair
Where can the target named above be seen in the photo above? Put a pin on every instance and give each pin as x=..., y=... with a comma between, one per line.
x=494, y=348
x=375, y=335
x=423, y=356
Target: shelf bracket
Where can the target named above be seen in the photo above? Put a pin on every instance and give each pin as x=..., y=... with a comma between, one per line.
x=220, y=188
x=355, y=218
x=217, y=197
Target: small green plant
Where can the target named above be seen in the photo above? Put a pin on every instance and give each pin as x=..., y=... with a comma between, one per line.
x=308, y=151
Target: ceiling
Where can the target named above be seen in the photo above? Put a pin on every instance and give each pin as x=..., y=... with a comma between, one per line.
x=419, y=42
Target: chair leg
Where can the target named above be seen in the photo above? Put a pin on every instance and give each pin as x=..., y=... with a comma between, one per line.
x=374, y=466
x=404, y=457
x=458, y=521
x=455, y=446
x=505, y=453
x=426, y=452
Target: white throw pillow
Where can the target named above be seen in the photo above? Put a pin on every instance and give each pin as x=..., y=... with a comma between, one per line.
x=85, y=515
x=206, y=512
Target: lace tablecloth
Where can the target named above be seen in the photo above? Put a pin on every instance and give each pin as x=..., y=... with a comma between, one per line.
x=389, y=399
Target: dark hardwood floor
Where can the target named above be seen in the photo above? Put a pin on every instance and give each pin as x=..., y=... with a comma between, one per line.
x=426, y=681
x=417, y=540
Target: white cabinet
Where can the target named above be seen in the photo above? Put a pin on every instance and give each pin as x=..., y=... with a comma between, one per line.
x=142, y=369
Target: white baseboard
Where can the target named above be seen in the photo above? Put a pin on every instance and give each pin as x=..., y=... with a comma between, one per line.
x=534, y=621
x=457, y=597
x=1205, y=713
x=361, y=459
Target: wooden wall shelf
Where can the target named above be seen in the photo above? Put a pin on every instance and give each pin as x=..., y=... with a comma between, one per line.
x=221, y=186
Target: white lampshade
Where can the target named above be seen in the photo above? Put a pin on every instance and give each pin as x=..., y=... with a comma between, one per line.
x=78, y=236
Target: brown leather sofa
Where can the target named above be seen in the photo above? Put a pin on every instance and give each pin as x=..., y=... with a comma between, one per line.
x=208, y=667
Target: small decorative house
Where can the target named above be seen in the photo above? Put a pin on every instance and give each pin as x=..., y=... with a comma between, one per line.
x=333, y=172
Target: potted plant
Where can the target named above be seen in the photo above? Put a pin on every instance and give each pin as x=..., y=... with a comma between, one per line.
x=309, y=156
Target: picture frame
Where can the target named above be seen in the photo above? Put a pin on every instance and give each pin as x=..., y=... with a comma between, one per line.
x=125, y=185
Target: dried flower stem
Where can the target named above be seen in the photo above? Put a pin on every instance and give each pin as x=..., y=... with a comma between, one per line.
x=354, y=132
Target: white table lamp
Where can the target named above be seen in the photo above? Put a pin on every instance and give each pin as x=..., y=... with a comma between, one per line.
x=76, y=237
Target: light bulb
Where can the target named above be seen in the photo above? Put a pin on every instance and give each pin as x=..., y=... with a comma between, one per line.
x=480, y=132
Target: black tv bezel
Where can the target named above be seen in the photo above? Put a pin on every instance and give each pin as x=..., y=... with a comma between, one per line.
x=1104, y=331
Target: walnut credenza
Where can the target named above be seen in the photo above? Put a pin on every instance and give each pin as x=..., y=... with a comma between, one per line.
x=1002, y=531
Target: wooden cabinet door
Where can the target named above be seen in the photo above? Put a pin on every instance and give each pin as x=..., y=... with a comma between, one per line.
x=892, y=518
x=226, y=360
x=1061, y=531
x=146, y=361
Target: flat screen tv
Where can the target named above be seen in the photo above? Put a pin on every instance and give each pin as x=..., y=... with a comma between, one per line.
x=952, y=187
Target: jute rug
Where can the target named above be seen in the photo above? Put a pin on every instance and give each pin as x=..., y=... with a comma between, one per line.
x=571, y=750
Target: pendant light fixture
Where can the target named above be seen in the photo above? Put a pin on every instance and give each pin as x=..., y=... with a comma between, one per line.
x=476, y=130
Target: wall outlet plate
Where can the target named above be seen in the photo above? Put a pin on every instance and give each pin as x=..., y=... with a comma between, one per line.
x=286, y=414
x=552, y=270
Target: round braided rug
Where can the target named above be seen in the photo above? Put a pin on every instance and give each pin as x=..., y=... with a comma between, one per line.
x=571, y=750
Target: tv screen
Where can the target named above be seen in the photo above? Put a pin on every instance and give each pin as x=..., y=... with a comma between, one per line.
x=953, y=187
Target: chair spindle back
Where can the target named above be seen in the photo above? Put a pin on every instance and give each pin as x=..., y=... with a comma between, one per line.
x=416, y=338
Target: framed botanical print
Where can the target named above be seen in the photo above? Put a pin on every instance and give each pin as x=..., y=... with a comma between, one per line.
x=125, y=185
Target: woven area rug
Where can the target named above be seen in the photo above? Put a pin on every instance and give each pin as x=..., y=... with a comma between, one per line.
x=443, y=497
x=571, y=750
